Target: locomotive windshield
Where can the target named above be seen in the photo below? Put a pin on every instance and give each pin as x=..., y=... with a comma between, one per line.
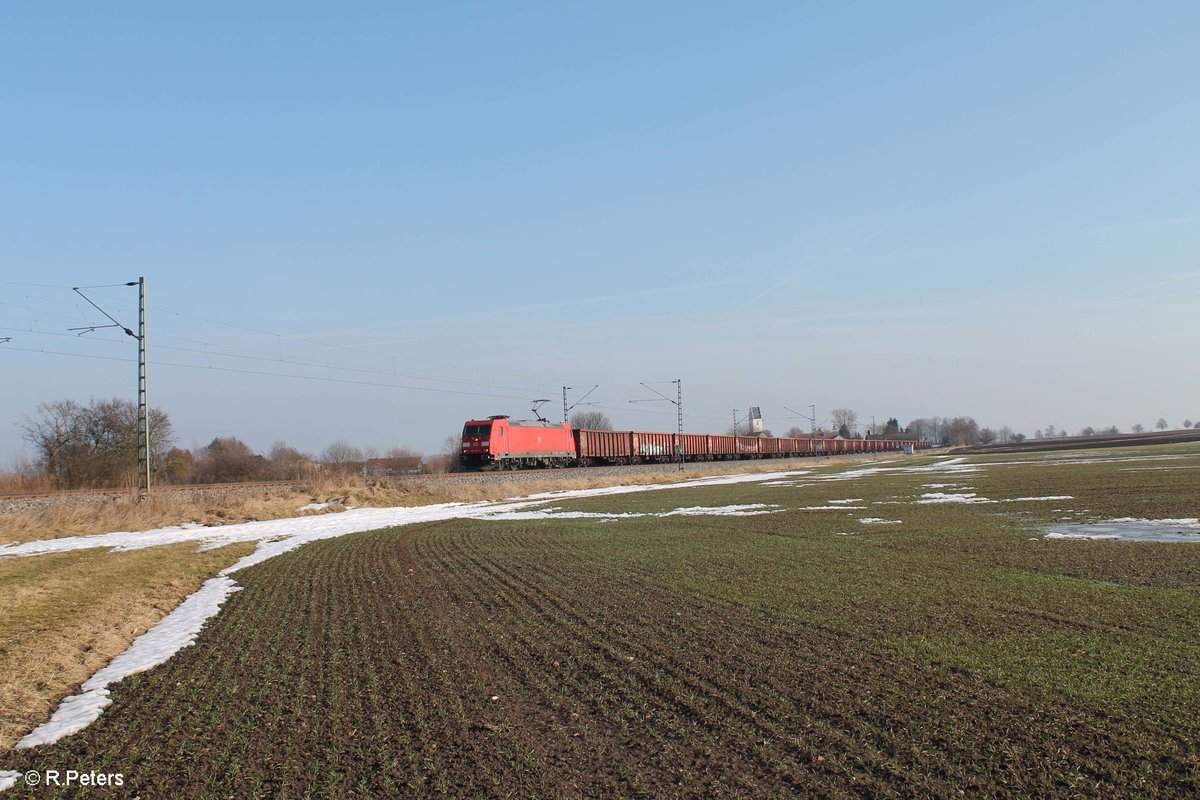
x=477, y=430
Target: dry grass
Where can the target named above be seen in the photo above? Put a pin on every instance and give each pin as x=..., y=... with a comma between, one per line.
x=85, y=514
x=63, y=616
x=21, y=483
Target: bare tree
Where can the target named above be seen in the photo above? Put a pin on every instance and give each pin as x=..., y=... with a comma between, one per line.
x=1187, y=423
x=180, y=466
x=844, y=417
x=449, y=459
x=1161, y=424
x=1138, y=428
x=987, y=436
x=288, y=463
x=342, y=457
x=227, y=459
x=962, y=431
x=797, y=433
x=96, y=444
x=923, y=429
x=591, y=420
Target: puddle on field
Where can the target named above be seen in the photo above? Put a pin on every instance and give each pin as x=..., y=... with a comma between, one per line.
x=1135, y=530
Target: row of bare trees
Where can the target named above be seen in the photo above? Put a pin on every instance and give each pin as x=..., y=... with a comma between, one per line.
x=95, y=445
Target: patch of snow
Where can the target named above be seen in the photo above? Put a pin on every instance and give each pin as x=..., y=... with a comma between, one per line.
x=1155, y=469
x=1028, y=499
x=314, y=507
x=880, y=521
x=943, y=497
x=172, y=633
x=849, y=500
x=1133, y=529
x=8, y=778
x=722, y=511
x=829, y=508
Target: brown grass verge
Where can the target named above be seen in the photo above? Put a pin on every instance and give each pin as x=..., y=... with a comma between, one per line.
x=65, y=615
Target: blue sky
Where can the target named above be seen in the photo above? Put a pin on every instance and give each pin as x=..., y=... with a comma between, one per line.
x=907, y=209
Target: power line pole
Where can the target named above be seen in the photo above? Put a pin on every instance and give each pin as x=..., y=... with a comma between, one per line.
x=143, y=407
x=143, y=422
x=678, y=401
x=579, y=402
x=679, y=408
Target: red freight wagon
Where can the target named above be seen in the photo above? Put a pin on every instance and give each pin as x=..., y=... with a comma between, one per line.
x=722, y=446
x=768, y=445
x=695, y=445
x=654, y=446
x=747, y=445
x=615, y=447
x=507, y=445
x=792, y=447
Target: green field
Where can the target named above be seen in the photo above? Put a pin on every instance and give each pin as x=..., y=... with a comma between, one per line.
x=953, y=653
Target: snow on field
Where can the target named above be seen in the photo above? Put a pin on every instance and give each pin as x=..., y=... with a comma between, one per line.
x=1132, y=529
x=830, y=508
x=8, y=778
x=847, y=500
x=951, y=497
x=556, y=512
x=880, y=521
x=722, y=511
x=1031, y=499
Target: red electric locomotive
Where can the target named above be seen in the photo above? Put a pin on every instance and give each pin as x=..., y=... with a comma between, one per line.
x=497, y=443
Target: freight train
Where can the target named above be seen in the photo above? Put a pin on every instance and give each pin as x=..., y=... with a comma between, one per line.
x=498, y=443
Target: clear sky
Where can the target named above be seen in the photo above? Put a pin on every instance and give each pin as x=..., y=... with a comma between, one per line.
x=909, y=209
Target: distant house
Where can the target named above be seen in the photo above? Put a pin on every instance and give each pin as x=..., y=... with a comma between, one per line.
x=382, y=467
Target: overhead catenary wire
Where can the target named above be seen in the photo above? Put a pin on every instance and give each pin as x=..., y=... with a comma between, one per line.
x=210, y=350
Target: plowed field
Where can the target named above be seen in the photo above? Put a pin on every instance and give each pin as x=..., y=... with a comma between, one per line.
x=691, y=656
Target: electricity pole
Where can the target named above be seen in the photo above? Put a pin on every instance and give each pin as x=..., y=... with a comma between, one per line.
x=567, y=409
x=143, y=407
x=678, y=401
x=679, y=409
x=811, y=417
x=143, y=420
